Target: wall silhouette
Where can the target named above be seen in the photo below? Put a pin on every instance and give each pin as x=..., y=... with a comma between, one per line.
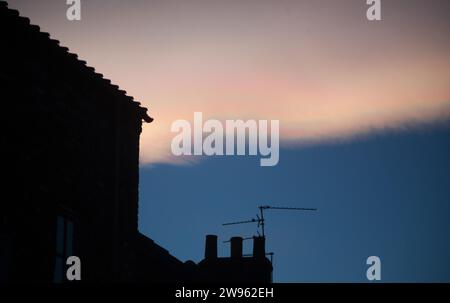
x=71, y=141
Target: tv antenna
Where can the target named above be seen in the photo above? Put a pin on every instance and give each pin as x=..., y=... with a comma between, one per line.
x=260, y=220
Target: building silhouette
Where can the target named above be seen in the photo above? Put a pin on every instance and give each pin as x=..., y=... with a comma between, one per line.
x=71, y=145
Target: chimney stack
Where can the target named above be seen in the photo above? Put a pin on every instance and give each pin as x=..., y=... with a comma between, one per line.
x=259, y=247
x=236, y=247
x=211, y=247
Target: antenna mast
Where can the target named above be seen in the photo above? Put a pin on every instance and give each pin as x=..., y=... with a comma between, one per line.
x=260, y=220
x=266, y=207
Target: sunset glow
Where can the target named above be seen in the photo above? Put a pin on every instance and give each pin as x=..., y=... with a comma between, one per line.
x=319, y=67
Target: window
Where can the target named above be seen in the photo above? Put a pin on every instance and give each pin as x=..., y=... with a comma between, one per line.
x=64, y=246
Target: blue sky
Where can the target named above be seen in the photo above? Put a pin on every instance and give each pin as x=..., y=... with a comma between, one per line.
x=386, y=195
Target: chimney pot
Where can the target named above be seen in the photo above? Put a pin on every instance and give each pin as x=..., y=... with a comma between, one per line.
x=211, y=247
x=259, y=247
x=236, y=247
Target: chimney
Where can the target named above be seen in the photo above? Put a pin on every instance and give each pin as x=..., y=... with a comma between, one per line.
x=236, y=247
x=211, y=247
x=259, y=247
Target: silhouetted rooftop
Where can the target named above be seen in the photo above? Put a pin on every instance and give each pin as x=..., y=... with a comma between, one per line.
x=43, y=39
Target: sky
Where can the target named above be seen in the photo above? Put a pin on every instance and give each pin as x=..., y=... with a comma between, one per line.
x=362, y=109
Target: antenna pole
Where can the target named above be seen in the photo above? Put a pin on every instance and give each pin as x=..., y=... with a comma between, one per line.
x=262, y=220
